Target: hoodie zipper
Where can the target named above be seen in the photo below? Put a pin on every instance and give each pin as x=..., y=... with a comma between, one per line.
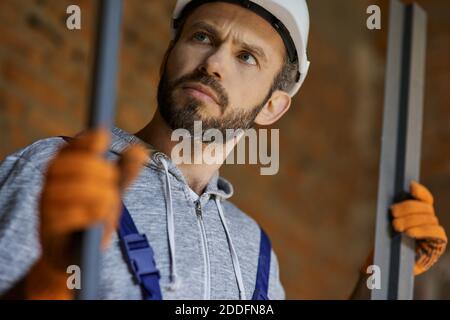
x=198, y=211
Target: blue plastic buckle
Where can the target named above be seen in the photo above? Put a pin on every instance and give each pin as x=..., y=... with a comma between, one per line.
x=140, y=255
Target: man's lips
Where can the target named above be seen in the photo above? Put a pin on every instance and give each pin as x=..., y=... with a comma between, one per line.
x=201, y=92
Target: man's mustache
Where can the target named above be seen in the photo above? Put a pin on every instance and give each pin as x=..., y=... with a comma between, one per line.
x=207, y=81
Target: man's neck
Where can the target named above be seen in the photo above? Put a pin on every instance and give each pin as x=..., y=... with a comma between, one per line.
x=158, y=134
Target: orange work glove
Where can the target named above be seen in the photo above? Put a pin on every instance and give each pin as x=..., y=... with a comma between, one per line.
x=81, y=189
x=418, y=220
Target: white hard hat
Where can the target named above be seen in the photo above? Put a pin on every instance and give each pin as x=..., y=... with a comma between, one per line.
x=289, y=17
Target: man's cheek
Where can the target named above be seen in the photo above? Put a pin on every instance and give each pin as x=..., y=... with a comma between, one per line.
x=181, y=63
x=178, y=95
x=175, y=69
x=239, y=100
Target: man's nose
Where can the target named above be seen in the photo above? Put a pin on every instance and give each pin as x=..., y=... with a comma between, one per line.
x=214, y=64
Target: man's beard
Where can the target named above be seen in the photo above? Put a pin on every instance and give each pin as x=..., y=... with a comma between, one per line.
x=179, y=116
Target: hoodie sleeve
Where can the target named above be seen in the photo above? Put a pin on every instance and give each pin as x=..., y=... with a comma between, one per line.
x=276, y=290
x=21, y=179
x=19, y=244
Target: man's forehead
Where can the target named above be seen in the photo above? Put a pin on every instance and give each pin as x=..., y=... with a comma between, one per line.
x=244, y=24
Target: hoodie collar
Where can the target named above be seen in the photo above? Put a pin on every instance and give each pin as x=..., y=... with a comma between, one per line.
x=217, y=185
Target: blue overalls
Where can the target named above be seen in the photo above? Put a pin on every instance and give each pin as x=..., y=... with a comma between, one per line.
x=139, y=256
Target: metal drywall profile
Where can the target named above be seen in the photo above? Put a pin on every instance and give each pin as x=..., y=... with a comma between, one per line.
x=401, y=145
x=101, y=114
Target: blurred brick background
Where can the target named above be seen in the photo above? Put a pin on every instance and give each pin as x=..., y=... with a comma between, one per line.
x=320, y=208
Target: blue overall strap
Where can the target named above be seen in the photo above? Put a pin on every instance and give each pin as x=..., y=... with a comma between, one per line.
x=139, y=256
x=262, y=275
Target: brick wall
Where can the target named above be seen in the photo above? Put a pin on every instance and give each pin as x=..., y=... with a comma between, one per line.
x=320, y=209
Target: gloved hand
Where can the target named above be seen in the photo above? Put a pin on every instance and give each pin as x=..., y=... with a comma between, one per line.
x=418, y=220
x=81, y=189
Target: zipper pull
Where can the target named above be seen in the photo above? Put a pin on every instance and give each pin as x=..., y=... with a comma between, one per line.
x=198, y=208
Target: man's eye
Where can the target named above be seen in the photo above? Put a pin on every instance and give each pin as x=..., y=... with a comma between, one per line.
x=201, y=37
x=248, y=58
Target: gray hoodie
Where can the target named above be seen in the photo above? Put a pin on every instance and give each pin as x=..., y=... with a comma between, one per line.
x=215, y=252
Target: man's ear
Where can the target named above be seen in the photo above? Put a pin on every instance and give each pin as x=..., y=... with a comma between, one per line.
x=274, y=109
x=166, y=56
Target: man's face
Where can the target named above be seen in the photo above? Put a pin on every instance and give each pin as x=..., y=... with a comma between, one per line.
x=220, y=70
